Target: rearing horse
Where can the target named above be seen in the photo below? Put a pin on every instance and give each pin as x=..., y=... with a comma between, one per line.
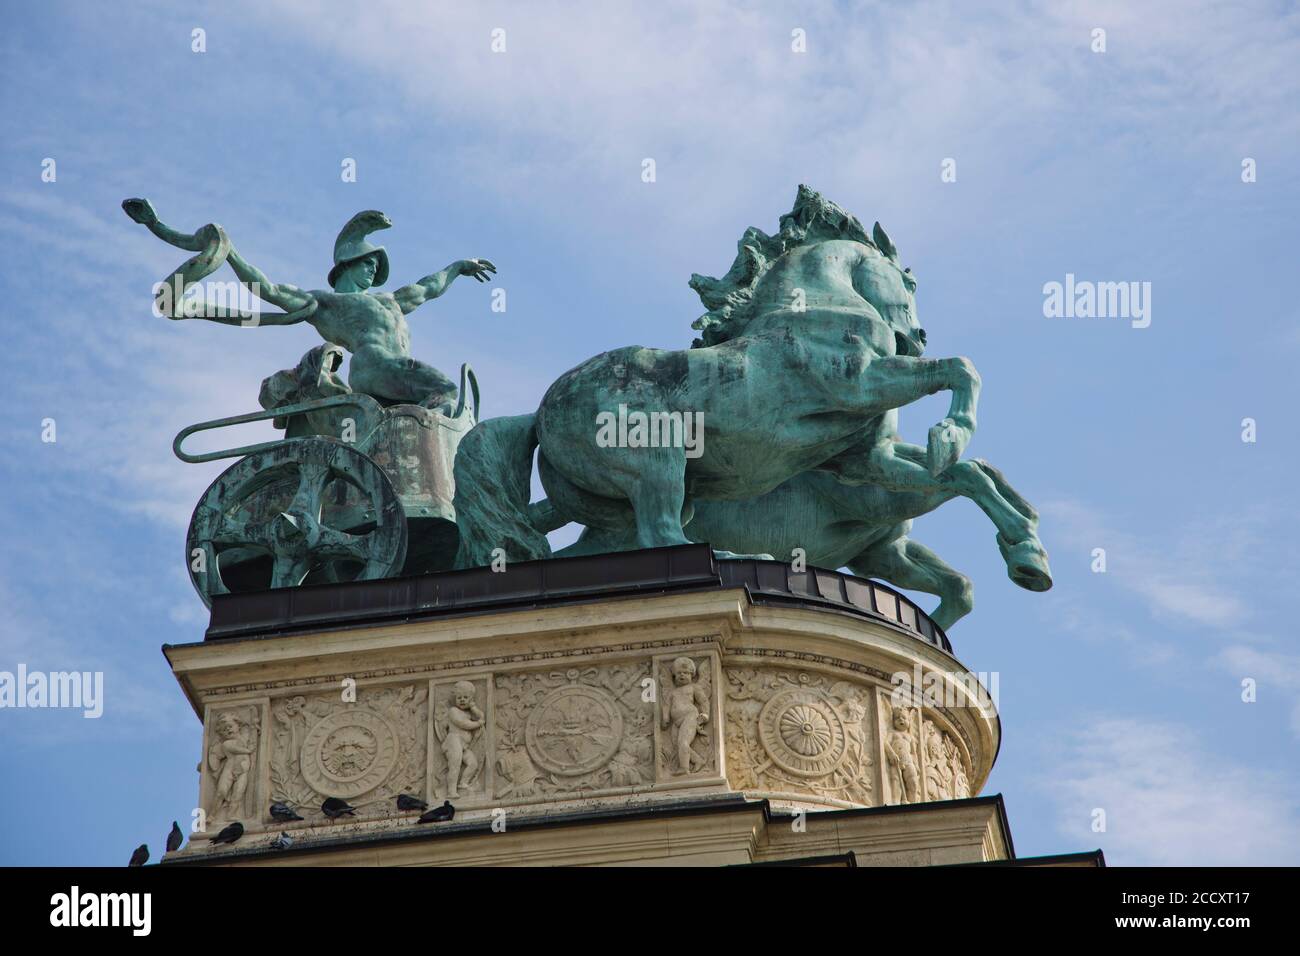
x=810, y=340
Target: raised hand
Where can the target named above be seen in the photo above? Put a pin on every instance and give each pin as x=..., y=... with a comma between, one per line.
x=480, y=269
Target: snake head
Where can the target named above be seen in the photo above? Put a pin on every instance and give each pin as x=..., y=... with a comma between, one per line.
x=141, y=211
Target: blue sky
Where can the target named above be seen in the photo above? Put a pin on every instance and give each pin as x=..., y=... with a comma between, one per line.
x=1119, y=690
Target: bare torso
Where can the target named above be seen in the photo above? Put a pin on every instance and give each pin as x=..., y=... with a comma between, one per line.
x=362, y=320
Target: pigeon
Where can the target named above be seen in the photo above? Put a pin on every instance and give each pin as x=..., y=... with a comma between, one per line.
x=334, y=808
x=407, y=802
x=439, y=814
x=282, y=842
x=175, y=838
x=229, y=834
x=141, y=855
x=283, y=813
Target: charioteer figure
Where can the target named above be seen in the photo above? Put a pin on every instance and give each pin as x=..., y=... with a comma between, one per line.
x=371, y=325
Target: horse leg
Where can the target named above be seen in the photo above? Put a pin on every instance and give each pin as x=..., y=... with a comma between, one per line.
x=1013, y=516
x=658, y=496
x=911, y=565
x=898, y=380
x=1017, y=523
x=898, y=466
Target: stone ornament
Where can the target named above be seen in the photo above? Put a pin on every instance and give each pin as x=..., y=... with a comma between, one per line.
x=459, y=750
x=799, y=732
x=685, y=731
x=902, y=753
x=231, y=762
x=582, y=729
x=945, y=766
x=349, y=753
x=574, y=730
x=365, y=752
x=802, y=733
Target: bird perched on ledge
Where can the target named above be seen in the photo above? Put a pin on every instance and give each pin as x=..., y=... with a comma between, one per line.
x=283, y=813
x=407, y=802
x=334, y=808
x=440, y=814
x=141, y=855
x=229, y=834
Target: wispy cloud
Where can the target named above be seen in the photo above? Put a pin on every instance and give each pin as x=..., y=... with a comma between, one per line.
x=1169, y=800
x=1189, y=581
x=1272, y=669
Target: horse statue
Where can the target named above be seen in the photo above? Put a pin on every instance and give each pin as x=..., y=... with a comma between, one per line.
x=810, y=344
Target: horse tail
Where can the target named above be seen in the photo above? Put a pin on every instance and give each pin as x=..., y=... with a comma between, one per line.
x=493, y=470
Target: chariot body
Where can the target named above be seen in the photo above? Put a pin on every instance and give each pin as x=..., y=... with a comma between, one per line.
x=356, y=490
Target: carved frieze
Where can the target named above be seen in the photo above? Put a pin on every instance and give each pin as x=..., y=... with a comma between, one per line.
x=364, y=751
x=575, y=730
x=459, y=751
x=946, y=776
x=232, y=763
x=798, y=731
x=685, y=731
x=901, y=747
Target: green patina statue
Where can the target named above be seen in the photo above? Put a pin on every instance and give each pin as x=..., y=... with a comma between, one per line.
x=774, y=435
x=372, y=326
x=810, y=344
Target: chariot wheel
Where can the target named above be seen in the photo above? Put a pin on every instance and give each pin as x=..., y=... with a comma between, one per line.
x=259, y=525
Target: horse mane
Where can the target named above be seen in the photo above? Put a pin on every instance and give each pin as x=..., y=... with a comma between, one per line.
x=730, y=300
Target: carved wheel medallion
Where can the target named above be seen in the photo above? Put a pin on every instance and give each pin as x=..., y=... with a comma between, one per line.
x=349, y=753
x=802, y=733
x=574, y=730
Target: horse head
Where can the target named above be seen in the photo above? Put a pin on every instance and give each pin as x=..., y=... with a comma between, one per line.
x=891, y=290
x=876, y=275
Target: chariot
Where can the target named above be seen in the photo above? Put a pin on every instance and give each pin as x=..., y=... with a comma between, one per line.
x=356, y=490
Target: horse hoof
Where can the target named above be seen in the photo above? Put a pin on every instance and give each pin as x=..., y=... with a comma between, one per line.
x=944, y=445
x=1027, y=564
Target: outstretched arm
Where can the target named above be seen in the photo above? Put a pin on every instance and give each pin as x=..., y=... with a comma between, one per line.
x=411, y=297
x=293, y=300
x=288, y=297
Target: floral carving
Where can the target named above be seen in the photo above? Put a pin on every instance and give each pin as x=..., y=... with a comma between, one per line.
x=946, y=777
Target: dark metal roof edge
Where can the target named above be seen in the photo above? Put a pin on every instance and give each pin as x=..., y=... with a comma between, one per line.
x=1096, y=857
x=746, y=573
